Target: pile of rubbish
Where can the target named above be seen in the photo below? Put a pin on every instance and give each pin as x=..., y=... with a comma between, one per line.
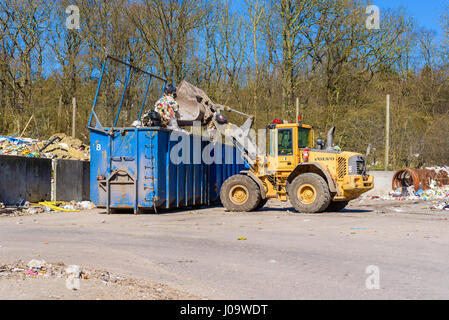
x=58, y=146
x=433, y=193
x=26, y=208
x=425, y=184
x=40, y=268
x=33, y=268
x=418, y=184
x=424, y=179
x=20, y=147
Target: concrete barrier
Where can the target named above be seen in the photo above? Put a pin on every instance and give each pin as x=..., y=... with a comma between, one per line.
x=24, y=178
x=71, y=180
x=382, y=182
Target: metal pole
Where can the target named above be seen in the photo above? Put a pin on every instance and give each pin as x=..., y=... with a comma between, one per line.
x=297, y=110
x=59, y=114
x=74, y=117
x=387, y=132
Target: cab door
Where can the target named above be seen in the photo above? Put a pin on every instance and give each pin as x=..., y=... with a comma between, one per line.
x=286, y=144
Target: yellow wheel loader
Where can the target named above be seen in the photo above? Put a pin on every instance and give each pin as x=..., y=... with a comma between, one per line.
x=314, y=177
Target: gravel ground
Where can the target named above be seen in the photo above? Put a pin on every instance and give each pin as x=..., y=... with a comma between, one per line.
x=210, y=253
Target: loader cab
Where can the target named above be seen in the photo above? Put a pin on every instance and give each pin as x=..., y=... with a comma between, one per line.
x=286, y=143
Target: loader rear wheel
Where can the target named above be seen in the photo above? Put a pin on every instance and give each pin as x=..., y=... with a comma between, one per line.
x=240, y=193
x=335, y=206
x=309, y=193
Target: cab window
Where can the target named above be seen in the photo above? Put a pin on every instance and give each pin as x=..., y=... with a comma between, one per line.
x=285, y=142
x=303, y=137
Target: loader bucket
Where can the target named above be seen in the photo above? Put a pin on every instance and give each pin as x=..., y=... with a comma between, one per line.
x=194, y=105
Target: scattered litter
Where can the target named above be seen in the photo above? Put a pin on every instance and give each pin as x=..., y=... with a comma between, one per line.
x=53, y=205
x=40, y=268
x=358, y=228
x=23, y=207
x=431, y=186
x=241, y=238
x=441, y=206
x=273, y=261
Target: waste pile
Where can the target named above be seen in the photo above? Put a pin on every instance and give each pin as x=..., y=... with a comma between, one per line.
x=40, y=268
x=429, y=184
x=421, y=178
x=20, y=147
x=58, y=146
x=24, y=208
x=78, y=277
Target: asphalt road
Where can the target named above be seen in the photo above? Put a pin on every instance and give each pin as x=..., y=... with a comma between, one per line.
x=283, y=255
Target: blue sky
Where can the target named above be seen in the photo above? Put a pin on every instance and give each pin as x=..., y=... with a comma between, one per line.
x=426, y=12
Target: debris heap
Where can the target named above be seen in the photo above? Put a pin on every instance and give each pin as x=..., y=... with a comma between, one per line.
x=58, y=146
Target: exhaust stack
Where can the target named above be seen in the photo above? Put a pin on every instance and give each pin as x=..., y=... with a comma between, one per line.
x=330, y=139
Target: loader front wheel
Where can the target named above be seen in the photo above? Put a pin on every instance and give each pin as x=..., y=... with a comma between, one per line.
x=240, y=193
x=309, y=193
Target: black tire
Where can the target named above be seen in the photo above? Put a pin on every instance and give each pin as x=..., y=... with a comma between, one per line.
x=312, y=186
x=335, y=206
x=240, y=193
x=261, y=204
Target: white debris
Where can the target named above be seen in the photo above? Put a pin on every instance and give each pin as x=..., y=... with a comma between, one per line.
x=35, y=264
x=86, y=205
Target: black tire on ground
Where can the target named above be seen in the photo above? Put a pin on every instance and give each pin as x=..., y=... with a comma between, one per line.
x=309, y=193
x=335, y=206
x=261, y=204
x=240, y=193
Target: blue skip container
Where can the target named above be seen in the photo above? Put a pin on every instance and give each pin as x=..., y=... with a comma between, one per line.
x=137, y=168
x=131, y=169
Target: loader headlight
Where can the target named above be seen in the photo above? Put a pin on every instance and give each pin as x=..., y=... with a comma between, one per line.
x=357, y=165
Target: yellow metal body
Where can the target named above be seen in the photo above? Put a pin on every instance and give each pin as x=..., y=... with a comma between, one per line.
x=288, y=144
